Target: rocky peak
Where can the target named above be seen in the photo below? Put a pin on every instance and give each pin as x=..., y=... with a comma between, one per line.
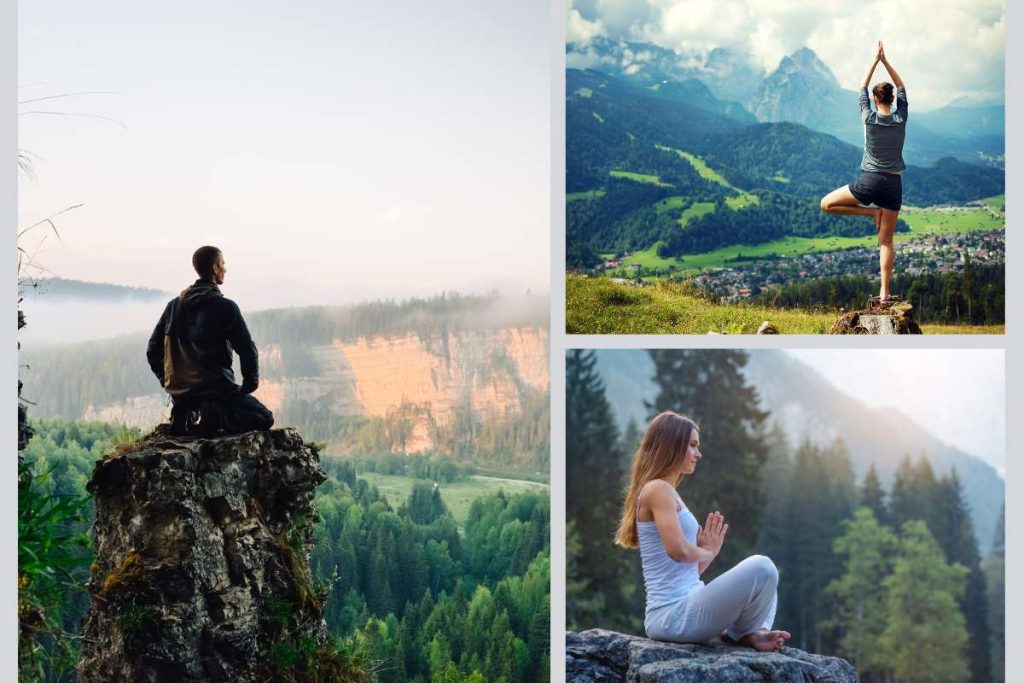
x=202, y=563
x=806, y=62
x=804, y=90
x=599, y=655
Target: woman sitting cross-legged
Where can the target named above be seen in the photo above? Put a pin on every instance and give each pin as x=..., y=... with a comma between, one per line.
x=740, y=604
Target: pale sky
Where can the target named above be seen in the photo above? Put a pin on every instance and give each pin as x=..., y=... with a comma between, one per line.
x=959, y=395
x=336, y=152
x=943, y=51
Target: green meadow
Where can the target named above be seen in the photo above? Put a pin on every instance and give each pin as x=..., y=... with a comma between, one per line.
x=457, y=495
x=588, y=195
x=921, y=221
x=639, y=178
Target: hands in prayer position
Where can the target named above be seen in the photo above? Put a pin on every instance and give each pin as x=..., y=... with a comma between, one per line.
x=712, y=534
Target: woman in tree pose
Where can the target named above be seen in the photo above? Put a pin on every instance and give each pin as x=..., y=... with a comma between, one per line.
x=740, y=604
x=880, y=182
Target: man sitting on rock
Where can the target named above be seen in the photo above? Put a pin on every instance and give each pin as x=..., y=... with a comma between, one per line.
x=190, y=353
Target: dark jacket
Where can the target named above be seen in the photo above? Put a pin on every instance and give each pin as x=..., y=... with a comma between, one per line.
x=190, y=348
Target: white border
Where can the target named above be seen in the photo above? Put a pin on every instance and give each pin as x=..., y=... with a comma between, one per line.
x=8, y=345
x=558, y=343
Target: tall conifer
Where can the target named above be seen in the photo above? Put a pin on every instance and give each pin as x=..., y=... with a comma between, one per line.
x=709, y=387
x=595, y=481
x=872, y=495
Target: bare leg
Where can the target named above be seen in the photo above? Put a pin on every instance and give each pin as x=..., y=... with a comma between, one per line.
x=842, y=202
x=886, y=253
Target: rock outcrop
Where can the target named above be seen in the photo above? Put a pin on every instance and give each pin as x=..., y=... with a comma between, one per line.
x=607, y=656
x=202, y=571
x=896, y=317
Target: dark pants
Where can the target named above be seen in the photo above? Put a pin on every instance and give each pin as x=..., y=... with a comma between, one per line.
x=233, y=413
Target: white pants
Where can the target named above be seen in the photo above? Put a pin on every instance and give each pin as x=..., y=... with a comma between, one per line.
x=740, y=601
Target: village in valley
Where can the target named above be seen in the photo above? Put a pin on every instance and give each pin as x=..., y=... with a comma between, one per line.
x=936, y=254
x=744, y=277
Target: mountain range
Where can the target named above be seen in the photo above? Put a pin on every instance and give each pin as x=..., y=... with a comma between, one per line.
x=801, y=89
x=667, y=162
x=806, y=406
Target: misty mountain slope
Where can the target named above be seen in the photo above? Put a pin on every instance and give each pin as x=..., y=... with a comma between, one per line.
x=434, y=363
x=731, y=78
x=61, y=288
x=806, y=406
x=74, y=310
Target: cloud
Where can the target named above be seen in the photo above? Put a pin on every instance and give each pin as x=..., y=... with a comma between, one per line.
x=579, y=30
x=943, y=51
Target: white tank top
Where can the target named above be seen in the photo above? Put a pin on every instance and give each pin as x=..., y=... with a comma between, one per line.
x=665, y=580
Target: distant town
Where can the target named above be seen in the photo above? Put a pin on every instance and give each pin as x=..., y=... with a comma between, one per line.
x=917, y=256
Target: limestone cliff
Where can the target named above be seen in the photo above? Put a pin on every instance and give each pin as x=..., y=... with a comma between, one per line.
x=429, y=376
x=599, y=655
x=201, y=571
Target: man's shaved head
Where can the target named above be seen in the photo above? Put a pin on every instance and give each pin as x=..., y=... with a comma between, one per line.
x=204, y=260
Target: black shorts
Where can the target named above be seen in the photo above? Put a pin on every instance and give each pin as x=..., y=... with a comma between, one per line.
x=884, y=190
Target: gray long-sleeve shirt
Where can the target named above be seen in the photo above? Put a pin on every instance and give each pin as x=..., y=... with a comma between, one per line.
x=883, y=135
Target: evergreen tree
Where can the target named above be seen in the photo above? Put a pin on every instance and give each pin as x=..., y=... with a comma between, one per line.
x=631, y=439
x=858, y=596
x=580, y=602
x=954, y=531
x=775, y=536
x=925, y=637
x=914, y=493
x=872, y=495
x=822, y=494
x=596, y=476
x=994, y=568
x=709, y=387
x=424, y=504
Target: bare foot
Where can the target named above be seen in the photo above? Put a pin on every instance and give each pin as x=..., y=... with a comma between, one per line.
x=878, y=220
x=765, y=640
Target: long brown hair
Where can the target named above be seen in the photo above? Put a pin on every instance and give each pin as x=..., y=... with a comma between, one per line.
x=663, y=446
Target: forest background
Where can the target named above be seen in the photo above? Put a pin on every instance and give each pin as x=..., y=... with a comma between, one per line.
x=891, y=576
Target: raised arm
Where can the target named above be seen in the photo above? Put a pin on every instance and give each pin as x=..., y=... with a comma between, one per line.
x=897, y=81
x=661, y=500
x=871, y=71
x=863, y=101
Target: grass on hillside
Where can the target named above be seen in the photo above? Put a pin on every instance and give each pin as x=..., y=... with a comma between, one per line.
x=588, y=195
x=920, y=220
x=702, y=168
x=599, y=306
x=640, y=178
x=937, y=328
x=457, y=496
x=932, y=220
x=742, y=201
